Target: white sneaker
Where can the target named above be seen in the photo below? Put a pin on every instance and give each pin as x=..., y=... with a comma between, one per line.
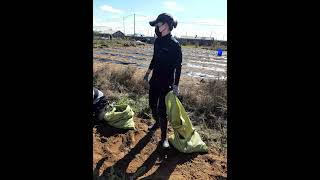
x=165, y=144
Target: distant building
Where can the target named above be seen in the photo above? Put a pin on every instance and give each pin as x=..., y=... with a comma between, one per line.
x=196, y=40
x=136, y=35
x=187, y=37
x=196, y=37
x=109, y=34
x=118, y=34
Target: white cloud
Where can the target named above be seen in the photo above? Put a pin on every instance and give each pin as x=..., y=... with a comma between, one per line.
x=171, y=5
x=114, y=17
x=143, y=19
x=100, y=25
x=211, y=21
x=97, y=21
x=205, y=29
x=108, y=8
x=202, y=27
x=142, y=26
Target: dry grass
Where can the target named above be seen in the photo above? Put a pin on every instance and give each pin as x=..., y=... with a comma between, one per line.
x=101, y=43
x=206, y=104
x=209, y=99
x=207, y=108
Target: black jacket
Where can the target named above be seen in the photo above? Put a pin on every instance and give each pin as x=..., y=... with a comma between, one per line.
x=166, y=61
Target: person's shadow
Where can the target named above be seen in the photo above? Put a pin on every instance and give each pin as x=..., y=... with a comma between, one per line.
x=120, y=167
x=148, y=164
x=105, y=130
x=169, y=159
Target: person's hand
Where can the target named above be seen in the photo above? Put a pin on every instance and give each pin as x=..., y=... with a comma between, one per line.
x=146, y=77
x=175, y=89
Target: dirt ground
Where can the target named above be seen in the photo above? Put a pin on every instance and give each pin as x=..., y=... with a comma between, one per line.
x=135, y=154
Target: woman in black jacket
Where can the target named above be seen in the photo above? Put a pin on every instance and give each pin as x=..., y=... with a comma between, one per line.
x=166, y=67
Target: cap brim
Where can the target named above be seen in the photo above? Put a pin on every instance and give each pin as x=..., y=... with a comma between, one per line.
x=153, y=23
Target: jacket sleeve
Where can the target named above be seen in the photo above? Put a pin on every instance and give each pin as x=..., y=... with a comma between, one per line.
x=151, y=66
x=178, y=65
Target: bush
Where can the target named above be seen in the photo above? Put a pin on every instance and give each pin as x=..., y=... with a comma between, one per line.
x=120, y=83
x=208, y=104
x=218, y=45
x=140, y=106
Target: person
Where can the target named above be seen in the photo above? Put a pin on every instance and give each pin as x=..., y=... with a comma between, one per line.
x=166, y=69
x=99, y=103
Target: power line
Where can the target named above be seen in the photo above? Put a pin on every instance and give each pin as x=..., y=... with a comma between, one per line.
x=137, y=22
x=200, y=23
x=185, y=22
x=141, y=15
x=128, y=16
x=150, y=17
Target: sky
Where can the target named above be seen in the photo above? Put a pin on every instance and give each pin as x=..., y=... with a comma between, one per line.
x=201, y=18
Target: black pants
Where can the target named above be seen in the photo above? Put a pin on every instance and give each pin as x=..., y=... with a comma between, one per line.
x=157, y=94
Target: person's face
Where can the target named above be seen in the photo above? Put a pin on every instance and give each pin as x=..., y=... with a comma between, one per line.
x=162, y=26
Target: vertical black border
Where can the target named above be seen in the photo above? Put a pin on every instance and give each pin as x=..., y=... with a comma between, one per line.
x=270, y=85
x=47, y=80
x=48, y=90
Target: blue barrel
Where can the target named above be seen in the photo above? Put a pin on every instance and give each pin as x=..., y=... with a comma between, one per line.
x=219, y=52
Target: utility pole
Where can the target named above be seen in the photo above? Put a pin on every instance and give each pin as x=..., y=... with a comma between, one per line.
x=124, y=30
x=134, y=25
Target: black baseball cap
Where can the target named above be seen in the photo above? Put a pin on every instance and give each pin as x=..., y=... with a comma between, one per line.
x=164, y=17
